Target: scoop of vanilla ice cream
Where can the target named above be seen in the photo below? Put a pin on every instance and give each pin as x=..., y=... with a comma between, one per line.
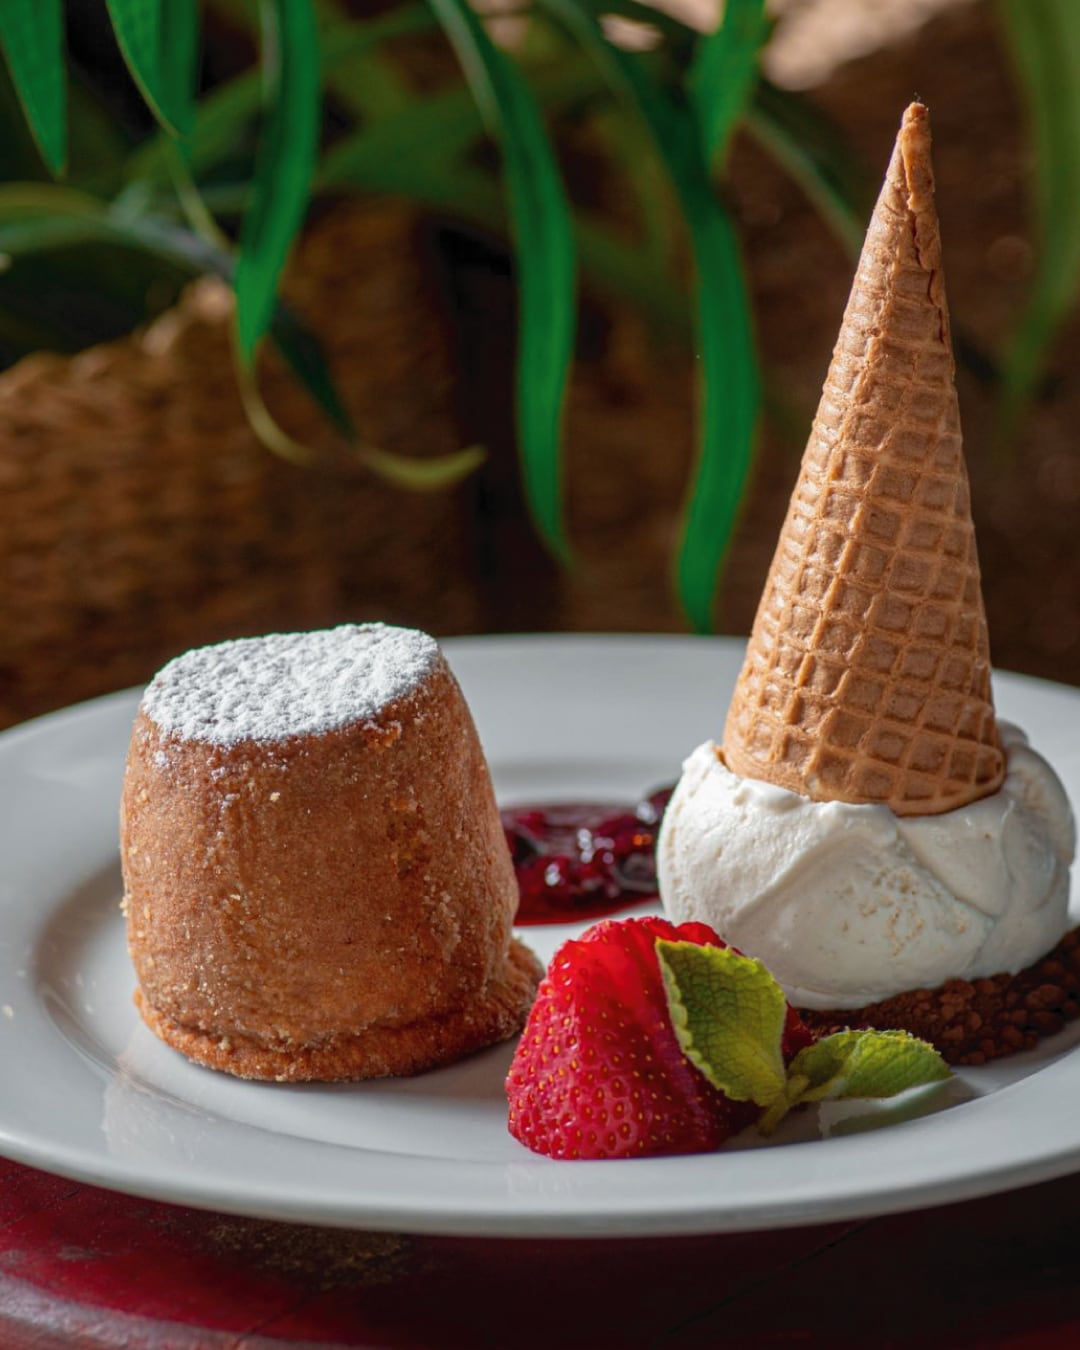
x=847, y=905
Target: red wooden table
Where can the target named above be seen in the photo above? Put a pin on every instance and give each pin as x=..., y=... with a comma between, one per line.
x=81, y=1268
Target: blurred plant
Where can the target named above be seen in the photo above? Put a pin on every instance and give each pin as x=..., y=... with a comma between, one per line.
x=224, y=184
x=1043, y=39
x=205, y=193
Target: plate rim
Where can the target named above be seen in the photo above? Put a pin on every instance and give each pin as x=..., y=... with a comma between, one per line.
x=548, y=1217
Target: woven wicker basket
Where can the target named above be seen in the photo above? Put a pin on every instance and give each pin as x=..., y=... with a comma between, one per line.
x=139, y=515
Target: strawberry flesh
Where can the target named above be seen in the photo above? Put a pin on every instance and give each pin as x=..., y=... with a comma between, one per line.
x=599, y=1073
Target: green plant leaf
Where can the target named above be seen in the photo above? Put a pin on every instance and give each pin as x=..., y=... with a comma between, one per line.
x=724, y=71
x=284, y=167
x=44, y=218
x=179, y=62
x=728, y=1013
x=98, y=147
x=1044, y=44
x=225, y=113
x=645, y=177
x=372, y=83
x=307, y=360
x=729, y=379
x=158, y=40
x=375, y=85
x=418, y=475
x=77, y=297
x=813, y=153
x=433, y=474
x=40, y=218
x=433, y=132
x=616, y=268
x=430, y=134
x=544, y=249
x=731, y=401
x=853, y=1064
x=32, y=36
x=24, y=201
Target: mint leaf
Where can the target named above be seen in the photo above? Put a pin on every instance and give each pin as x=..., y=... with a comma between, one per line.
x=728, y=1013
x=864, y=1064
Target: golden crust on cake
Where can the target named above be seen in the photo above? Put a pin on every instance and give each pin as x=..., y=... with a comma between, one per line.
x=333, y=904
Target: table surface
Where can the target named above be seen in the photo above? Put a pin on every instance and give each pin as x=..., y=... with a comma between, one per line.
x=82, y=1267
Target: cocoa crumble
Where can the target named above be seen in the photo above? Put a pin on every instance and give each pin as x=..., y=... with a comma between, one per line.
x=975, y=1021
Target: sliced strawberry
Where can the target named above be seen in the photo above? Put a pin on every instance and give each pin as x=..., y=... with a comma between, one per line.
x=624, y=935
x=598, y=1072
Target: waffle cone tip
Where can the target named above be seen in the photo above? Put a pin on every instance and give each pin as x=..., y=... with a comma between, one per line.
x=867, y=675
x=914, y=163
x=914, y=142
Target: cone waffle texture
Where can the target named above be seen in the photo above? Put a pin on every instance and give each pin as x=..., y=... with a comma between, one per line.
x=867, y=676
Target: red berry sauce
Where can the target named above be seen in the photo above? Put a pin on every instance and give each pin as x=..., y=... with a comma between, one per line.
x=581, y=860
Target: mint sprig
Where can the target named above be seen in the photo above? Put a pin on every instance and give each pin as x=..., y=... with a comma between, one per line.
x=865, y=1064
x=728, y=1013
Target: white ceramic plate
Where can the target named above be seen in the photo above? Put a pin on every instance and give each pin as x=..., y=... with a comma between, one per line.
x=87, y=1092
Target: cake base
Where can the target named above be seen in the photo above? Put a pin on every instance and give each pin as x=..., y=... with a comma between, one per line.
x=379, y=1051
x=975, y=1021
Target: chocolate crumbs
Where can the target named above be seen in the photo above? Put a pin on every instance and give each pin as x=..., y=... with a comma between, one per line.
x=975, y=1021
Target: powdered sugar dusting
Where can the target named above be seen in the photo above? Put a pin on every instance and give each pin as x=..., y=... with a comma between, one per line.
x=288, y=684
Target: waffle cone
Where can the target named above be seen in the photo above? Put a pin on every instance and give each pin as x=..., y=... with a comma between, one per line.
x=867, y=675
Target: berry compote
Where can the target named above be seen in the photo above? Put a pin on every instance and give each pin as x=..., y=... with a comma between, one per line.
x=581, y=860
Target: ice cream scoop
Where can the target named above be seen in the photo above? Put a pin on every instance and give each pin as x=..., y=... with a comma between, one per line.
x=848, y=904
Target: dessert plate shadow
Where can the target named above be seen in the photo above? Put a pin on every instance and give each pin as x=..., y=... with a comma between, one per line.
x=89, y=1093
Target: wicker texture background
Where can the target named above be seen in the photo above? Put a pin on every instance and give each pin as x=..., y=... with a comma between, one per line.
x=139, y=515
